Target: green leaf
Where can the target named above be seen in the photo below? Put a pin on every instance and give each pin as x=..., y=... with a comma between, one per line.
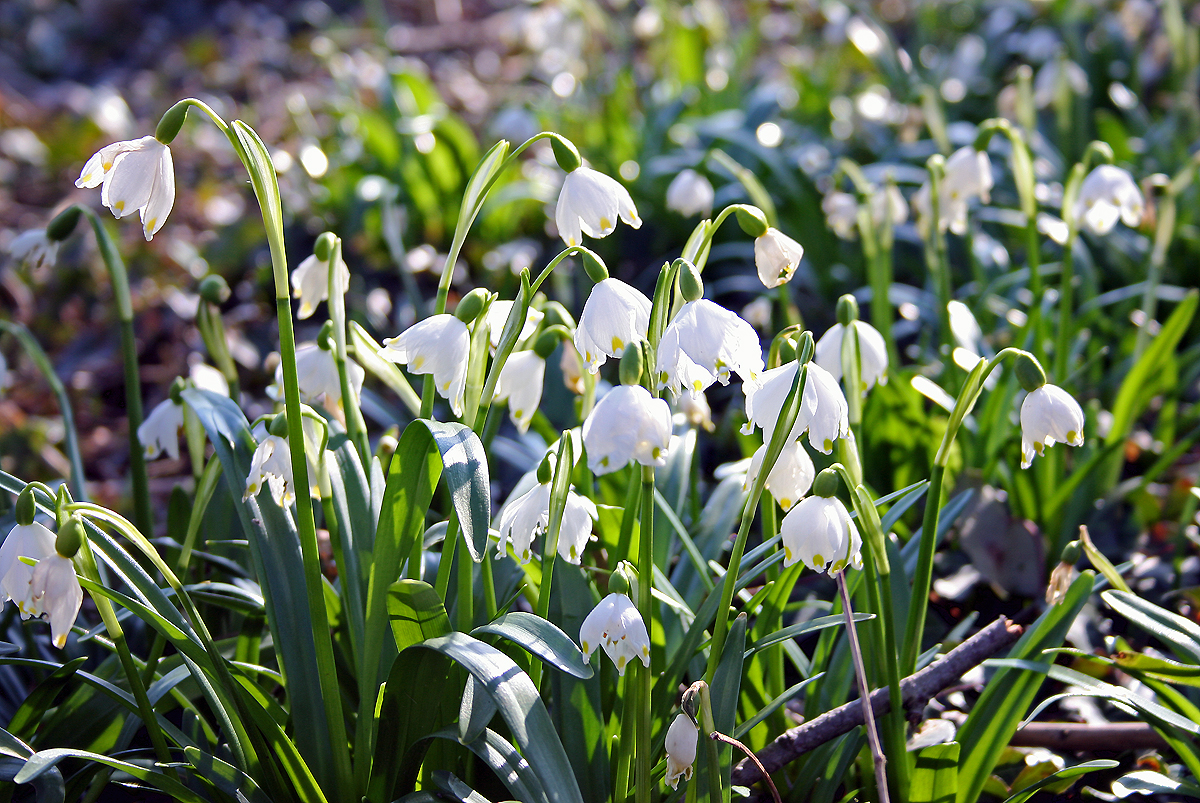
x=726, y=687
x=46, y=760
x=48, y=786
x=1138, y=664
x=772, y=707
x=506, y=762
x=935, y=777
x=357, y=522
x=541, y=638
x=25, y=721
x=475, y=712
x=226, y=777
x=1067, y=773
x=416, y=613
x=466, y=469
x=1148, y=782
x=485, y=173
x=811, y=625
x=1182, y=634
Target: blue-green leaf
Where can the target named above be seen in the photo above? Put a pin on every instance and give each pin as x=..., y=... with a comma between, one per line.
x=540, y=637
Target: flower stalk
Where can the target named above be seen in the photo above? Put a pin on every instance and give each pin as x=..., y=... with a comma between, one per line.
x=356, y=427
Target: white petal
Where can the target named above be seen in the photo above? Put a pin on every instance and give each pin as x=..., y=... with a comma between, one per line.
x=162, y=196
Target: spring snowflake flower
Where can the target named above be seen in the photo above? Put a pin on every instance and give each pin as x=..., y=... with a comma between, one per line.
x=702, y=344
x=498, y=313
x=681, y=743
x=520, y=384
x=310, y=282
x=160, y=431
x=317, y=377
x=693, y=405
x=967, y=175
x=272, y=463
x=1048, y=416
x=137, y=175
x=439, y=345
x=690, y=194
x=614, y=316
x=34, y=248
x=823, y=409
x=627, y=424
x=208, y=378
x=590, y=203
x=776, y=256
x=1108, y=193
x=528, y=516
x=841, y=210
x=872, y=352
x=616, y=625
x=56, y=592
x=32, y=541
x=818, y=532
x=791, y=477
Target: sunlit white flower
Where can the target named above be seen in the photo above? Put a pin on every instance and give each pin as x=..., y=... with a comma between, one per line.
x=682, y=737
x=818, y=532
x=590, y=203
x=872, y=352
x=823, y=409
x=208, y=378
x=1048, y=416
x=317, y=377
x=791, y=477
x=439, y=345
x=32, y=541
x=528, y=516
x=137, y=175
x=1108, y=193
x=310, y=282
x=690, y=194
x=702, y=344
x=272, y=463
x=576, y=529
x=693, y=405
x=520, y=384
x=34, y=248
x=758, y=313
x=160, y=431
x=964, y=328
x=627, y=424
x=967, y=175
x=571, y=365
x=498, y=313
x=55, y=591
x=616, y=625
x=841, y=213
x=614, y=316
x=776, y=256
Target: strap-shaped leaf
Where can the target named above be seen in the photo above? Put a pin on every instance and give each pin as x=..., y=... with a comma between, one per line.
x=48, y=786
x=1067, y=773
x=46, y=760
x=475, y=712
x=935, y=777
x=504, y=760
x=26, y=719
x=540, y=637
x=1171, y=628
x=416, y=613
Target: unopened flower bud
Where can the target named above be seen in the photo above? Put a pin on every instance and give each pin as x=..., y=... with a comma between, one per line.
x=847, y=310
x=214, y=289
x=1071, y=553
x=805, y=348
x=70, y=536
x=826, y=483
x=1029, y=372
x=471, y=305
x=26, y=507
x=594, y=266
x=63, y=224
x=631, y=365
x=171, y=122
x=691, y=286
x=565, y=153
x=752, y=220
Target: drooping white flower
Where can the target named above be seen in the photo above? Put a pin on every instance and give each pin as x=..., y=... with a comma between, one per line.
x=160, y=431
x=34, y=248
x=520, y=384
x=776, y=256
x=310, y=282
x=702, y=344
x=690, y=193
x=137, y=175
x=1108, y=193
x=872, y=352
x=56, y=592
x=819, y=533
x=576, y=529
x=614, y=316
x=208, y=378
x=841, y=210
x=571, y=365
x=498, y=313
x=439, y=345
x=590, y=203
x=1048, y=416
x=681, y=742
x=627, y=424
x=32, y=541
x=967, y=175
x=272, y=463
x=616, y=625
x=791, y=477
x=693, y=405
x=317, y=377
x=528, y=516
x=823, y=409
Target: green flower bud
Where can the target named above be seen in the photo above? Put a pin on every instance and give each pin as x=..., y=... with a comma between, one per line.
x=631, y=365
x=1071, y=553
x=1029, y=372
x=26, y=507
x=278, y=426
x=323, y=248
x=547, y=342
x=594, y=266
x=171, y=122
x=471, y=305
x=826, y=483
x=63, y=224
x=176, y=391
x=545, y=471
x=752, y=220
x=70, y=536
x=691, y=286
x=325, y=336
x=565, y=153
x=557, y=315
x=847, y=310
x=214, y=289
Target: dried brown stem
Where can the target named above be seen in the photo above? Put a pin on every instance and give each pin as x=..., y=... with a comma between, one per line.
x=717, y=736
x=1081, y=736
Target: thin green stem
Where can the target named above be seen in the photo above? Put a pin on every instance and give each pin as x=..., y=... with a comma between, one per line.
x=645, y=604
x=1066, y=316
x=356, y=427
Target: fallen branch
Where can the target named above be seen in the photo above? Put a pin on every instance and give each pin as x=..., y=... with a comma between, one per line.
x=1083, y=737
x=915, y=691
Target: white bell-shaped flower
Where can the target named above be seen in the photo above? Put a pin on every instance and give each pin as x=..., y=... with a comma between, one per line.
x=498, y=313
x=872, y=352
x=34, y=248
x=702, y=344
x=823, y=409
x=1048, y=416
x=576, y=529
x=616, y=625
x=690, y=193
x=614, y=316
x=439, y=345
x=317, y=377
x=160, y=431
x=693, y=406
x=56, y=592
x=205, y=377
x=590, y=203
x=272, y=463
x=520, y=384
x=1106, y=195
x=32, y=541
x=967, y=175
x=627, y=424
x=819, y=533
x=137, y=175
x=310, y=282
x=528, y=516
x=841, y=213
x=776, y=256
x=791, y=477
x=680, y=746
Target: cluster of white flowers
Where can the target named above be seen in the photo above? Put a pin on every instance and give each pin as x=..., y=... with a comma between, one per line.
x=49, y=589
